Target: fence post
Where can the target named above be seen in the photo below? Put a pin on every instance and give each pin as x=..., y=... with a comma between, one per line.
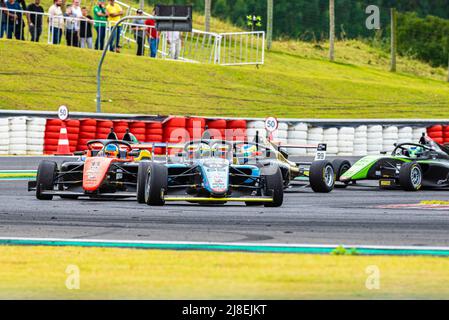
x=331, y=30
x=207, y=5
x=269, y=23
x=393, y=40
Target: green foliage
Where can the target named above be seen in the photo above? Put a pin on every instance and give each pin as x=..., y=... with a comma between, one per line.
x=342, y=251
x=424, y=38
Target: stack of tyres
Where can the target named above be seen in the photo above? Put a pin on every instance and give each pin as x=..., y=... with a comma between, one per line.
x=175, y=132
x=297, y=136
x=361, y=141
x=18, y=136
x=236, y=130
x=195, y=128
x=138, y=129
x=405, y=135
x=4, y=136
x=281, y=134
x=330, y=138
x=155, y=133
x=446, y=134
x=417, y=133
x=315, y=136
x=216, y=129
x=103, y=129
x=375, y=140
x=87, y=132
x=254, y=128
x=35, y=136
x=390, y=136
x=51, y=137
x=436, y=133
x=120, y=128
x=73, y=132
x=346, y=141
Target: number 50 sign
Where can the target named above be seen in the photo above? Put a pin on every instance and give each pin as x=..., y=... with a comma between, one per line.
x=271, y=124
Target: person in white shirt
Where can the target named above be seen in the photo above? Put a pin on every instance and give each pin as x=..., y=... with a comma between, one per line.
x=77, y=13
x=174, y=41
x=56, y=21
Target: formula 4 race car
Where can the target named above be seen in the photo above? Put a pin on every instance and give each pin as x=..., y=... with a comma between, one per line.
x=109, y=168
x=218, y=171
x=411, y=166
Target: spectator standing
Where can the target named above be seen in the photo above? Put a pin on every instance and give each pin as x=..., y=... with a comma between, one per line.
x=100, y=17
x=15, y=20
x=35, y=20
x=153, y=36
x=56, y=21
x=77, y=14
x=174, y=41
x=71, y=36
x=139, y=33
x=115, y=13
x=4, y=17
x=86, y=29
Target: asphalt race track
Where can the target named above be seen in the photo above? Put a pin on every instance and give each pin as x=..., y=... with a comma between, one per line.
x=348, y=217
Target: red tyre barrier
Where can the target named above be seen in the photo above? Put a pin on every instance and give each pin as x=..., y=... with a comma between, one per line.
x=216, y=124
x=53, y=122
x=87, y=135
x=136, y=131
x=154, y=125
x=435, y=128
x=176, y=122
x=52, y=128
x=72, y=123
x=104, y=124
x=190, y=122
x=195, y=133
x=435, y=134
x=154, y=131
x=120, y=129
x=236, y=124
x=154, y=138
x=88, y=123
x=137, y=124
x=175, y=134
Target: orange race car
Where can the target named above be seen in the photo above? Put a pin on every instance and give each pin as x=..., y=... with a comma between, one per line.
x=108, y=168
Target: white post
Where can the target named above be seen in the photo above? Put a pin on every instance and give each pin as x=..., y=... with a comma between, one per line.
x=331, y=30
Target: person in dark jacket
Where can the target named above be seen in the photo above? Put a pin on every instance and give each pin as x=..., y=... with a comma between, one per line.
x=35, y=20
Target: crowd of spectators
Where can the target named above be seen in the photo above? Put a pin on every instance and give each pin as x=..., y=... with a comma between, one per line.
x=76, y=24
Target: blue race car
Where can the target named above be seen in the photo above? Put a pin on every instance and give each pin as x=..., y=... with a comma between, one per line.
x=214, y=172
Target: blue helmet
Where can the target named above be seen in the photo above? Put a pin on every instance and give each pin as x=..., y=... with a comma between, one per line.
x=111, y=150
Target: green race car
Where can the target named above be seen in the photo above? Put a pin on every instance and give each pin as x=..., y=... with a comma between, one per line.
x=411, y=166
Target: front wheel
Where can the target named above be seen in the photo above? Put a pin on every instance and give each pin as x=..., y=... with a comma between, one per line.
x=274, y=186
x=410, y=176
x=340, y=167
x=46, y=173
x=142, y=172
x=156, y=184
x=322, y=176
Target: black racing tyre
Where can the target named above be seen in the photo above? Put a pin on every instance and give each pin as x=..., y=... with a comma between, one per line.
x=322, y=176
x=410, y=176
x=46, y=173
x=340, y=167
x=156, y=184
x=274, y=185
x=142, y=172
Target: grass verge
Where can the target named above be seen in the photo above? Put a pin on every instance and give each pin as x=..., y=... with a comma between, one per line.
x=40, y=272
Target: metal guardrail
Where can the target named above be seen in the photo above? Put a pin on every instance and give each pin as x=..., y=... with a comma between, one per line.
x=318, y=122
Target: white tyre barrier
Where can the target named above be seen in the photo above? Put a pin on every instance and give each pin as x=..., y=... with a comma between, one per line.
x=314, y=137
x=280, y=134
x=297, y=135
x=299, y=127
x=346, y=141
x=282, y=126
x=256, y=125
x=417, y=133
x=374, y=139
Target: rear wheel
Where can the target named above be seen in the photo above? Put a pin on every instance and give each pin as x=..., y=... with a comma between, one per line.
x=410, y=176
x=156, y=184
x=142, y=172
x=322, y=176
x=274, y=185
x=46, y=173
x=340, y=167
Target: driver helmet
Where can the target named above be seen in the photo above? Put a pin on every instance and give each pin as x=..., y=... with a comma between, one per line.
x=415, y=152
x=111, y=150
x=248, y=150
